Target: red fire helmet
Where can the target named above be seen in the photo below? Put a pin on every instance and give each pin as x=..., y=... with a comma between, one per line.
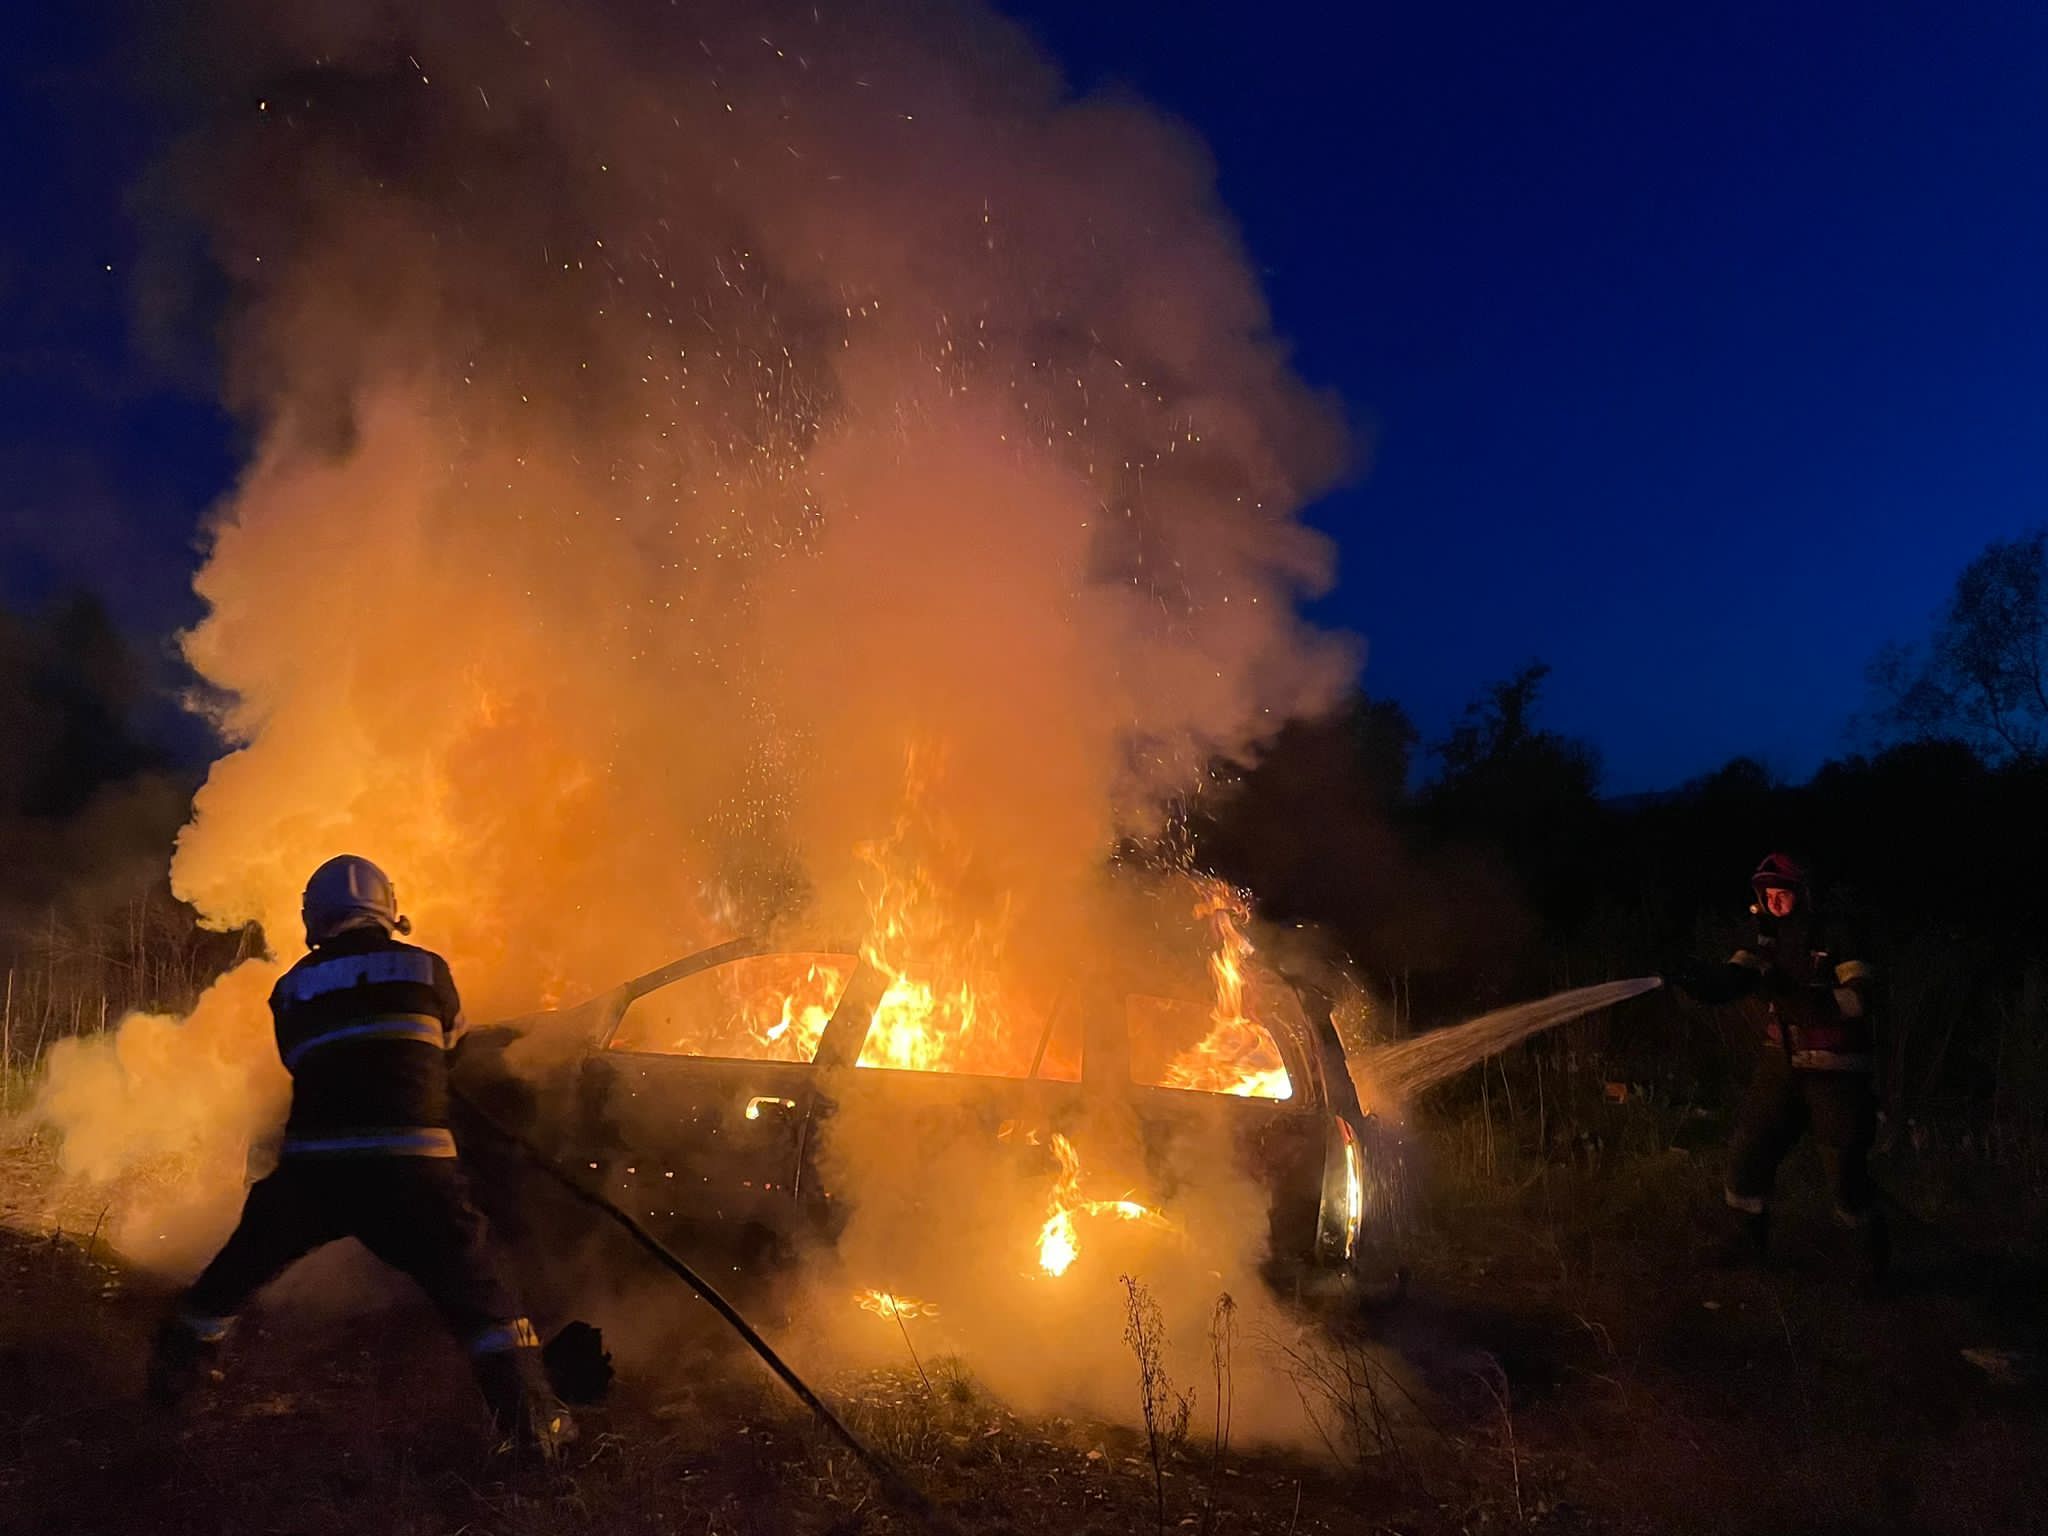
x=1779, y=871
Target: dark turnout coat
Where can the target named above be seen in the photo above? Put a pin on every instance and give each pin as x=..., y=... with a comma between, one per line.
x=364, y=1025
x=1812, y=1002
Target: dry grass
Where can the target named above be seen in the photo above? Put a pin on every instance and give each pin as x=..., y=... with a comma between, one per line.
x=1164, y=1408
x=1559, y=1367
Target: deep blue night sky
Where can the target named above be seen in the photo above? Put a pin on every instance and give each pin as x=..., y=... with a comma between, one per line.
x=1695, y=348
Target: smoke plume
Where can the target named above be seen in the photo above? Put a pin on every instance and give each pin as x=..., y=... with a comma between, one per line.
x=692, y=446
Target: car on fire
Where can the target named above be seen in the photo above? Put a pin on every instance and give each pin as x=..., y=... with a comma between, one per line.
x=696, y=1097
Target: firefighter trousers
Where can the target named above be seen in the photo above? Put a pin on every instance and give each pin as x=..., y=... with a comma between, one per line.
x=1784, y=1103
x=414, y=1213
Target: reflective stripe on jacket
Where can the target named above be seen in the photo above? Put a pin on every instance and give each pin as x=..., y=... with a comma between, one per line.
x=364, y=1023
x=1816, y=1011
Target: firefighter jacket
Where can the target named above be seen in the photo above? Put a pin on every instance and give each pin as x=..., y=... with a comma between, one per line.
x=364, y=1024
x=1813, y=1004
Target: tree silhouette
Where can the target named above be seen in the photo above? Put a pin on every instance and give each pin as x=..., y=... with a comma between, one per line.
x=1982, y=676
x=1529, y=793
x=85, y=798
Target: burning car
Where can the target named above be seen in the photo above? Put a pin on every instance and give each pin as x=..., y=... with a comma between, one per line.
x=703, y=1097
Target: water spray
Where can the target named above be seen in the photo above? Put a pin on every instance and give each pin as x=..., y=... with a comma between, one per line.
x=1405, y=1068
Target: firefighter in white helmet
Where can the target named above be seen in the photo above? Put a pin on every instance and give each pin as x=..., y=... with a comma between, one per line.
x=364, y=1023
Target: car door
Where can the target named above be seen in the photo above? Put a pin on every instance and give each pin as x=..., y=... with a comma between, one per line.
x=695, y=1105
x=1254, y=1079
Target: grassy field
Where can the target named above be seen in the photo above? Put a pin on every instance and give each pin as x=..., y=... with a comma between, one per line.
x=1567, y=1367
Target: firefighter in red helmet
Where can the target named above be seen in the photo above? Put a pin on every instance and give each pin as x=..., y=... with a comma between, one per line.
x=1816, y=1074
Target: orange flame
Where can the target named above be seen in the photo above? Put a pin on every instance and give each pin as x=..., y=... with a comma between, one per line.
x=788, y=1028
x=888, y=1304
x=1059, y=1239
x=767, y=1008
x=935, y=1013
x=1238, y=1055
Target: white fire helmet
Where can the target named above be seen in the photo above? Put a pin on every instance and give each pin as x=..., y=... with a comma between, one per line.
x=349, y=892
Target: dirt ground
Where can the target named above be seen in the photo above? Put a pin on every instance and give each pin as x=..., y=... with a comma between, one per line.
x=1572, y=1369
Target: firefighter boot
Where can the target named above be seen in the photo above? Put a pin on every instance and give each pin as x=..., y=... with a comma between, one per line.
x=179, y=1360
x=1745, y=1244
x=527, y=1418
x=578, y=1366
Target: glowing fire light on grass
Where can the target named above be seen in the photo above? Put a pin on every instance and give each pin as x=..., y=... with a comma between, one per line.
x=1237, y=1056
x=889, y=1305
x=1059, y=1239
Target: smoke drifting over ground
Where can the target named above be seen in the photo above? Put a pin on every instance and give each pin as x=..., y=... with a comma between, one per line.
x=952, y=1221
x=695, y=446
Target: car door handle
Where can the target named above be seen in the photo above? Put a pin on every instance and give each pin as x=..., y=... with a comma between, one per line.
x=762, y=1103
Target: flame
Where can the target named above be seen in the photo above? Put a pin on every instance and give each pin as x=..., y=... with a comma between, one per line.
x=788, y=1028
x=1059, y=1239
x=1238, y=1055
x=925, y=1020
x=936, y=1012
x=889, y=1304
x=942, y=1008
x=762, y=1008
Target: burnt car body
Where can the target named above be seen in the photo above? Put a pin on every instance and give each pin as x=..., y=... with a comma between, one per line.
x=714, y=1144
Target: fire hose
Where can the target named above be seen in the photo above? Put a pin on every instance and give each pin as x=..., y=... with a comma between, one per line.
x=893, y=1484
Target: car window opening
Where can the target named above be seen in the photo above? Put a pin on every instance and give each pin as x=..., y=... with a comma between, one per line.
x=1176, y=1043
x=976, y=1028
x=761, y=1008
x=775, y=1008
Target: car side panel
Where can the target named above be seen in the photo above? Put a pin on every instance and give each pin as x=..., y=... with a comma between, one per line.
x=691, y=1143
